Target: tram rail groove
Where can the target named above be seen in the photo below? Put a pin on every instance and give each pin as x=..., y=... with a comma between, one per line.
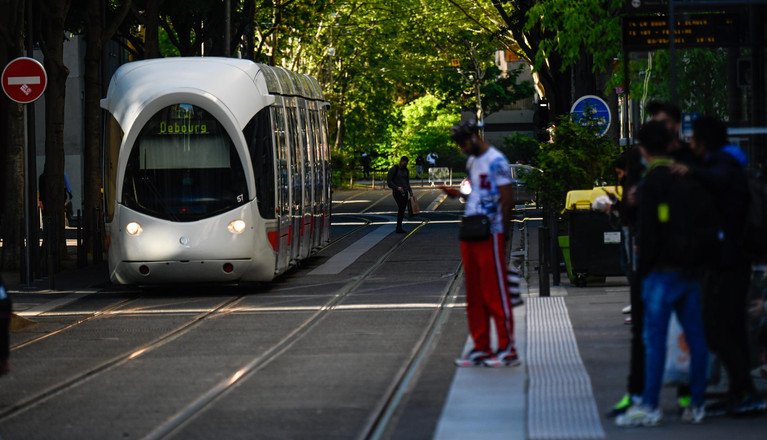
x=79, y=379
x=381, y=418
x=97, y=314
x=176, y=422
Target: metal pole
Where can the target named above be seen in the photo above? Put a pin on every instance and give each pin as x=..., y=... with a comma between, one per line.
x=27, y=273
x=543, y=261
x=30, y=171
x=553, y=254
x=672, y=52
x=227, y=28
x=626, y=132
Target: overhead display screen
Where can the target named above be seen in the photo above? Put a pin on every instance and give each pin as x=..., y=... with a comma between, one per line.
x=648, y=32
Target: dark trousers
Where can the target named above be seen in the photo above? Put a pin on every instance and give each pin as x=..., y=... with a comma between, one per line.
x=636, y=369
x=725, y=296
x=401, y=199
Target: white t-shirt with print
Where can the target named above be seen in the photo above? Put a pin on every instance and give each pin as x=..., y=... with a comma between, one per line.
x=487, y=173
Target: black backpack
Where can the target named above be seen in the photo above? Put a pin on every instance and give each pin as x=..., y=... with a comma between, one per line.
x=693, y=224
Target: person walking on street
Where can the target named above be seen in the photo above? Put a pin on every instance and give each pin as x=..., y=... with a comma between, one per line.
x=672, y=236
x=726, y=284
x=398, y=179
x=419, y=161
x=431, y=159
x=365, y=165
x=491, y=202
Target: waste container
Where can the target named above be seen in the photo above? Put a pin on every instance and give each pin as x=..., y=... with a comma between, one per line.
x=592, y=246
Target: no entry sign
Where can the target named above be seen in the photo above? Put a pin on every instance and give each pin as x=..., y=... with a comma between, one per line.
x=24, y=80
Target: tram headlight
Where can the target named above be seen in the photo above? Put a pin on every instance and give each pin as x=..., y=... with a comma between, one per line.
x=133, y=229
x=236, y=227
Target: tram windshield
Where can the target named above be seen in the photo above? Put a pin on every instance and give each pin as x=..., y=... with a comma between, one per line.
x=184, y=167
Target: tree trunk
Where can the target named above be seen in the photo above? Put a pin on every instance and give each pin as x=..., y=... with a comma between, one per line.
x=12, y=216
x=92, y=122
x=151, y=35
x=97, y=34
x=11, y=141
x=52, y=43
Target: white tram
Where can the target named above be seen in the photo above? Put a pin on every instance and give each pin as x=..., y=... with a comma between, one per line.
x=216, y=170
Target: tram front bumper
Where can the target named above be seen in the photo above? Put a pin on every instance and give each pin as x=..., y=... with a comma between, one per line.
x=180, y=272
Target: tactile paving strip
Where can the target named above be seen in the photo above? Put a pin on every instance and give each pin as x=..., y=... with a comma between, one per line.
x=560, y=403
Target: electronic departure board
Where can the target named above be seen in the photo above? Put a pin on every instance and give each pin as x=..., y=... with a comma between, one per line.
x=649, y=32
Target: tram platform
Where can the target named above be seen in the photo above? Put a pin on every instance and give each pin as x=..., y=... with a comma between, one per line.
x=574, y=347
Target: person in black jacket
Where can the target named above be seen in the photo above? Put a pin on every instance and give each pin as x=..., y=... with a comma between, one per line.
x=671, y=116
x=667, y=247
x=398, y=179
x=725, y=287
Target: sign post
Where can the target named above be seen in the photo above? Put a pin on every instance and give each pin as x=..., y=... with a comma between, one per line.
x=24, y=81
x=594, y=108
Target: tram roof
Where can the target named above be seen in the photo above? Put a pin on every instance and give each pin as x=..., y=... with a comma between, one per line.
x=233, y=82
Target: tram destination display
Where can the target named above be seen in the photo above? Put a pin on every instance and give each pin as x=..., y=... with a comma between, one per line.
x=648, y=32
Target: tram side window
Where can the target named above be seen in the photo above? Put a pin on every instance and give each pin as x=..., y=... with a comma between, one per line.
x=279, y=127
x=184, y=167
x=295, y=156
x=258, y=133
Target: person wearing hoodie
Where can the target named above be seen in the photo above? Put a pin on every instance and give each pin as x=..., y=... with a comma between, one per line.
x=726, y=283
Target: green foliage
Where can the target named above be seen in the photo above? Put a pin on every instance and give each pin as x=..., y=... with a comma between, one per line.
x=520, y=148
x=574, y=28
x=498, y=90
x=422, y=126
x=576, y=159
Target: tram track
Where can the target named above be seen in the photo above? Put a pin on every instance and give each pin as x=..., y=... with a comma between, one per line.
x=265, y=357
x=174, y=423
x=116, y=361
x=100, y=313
x=382, y=418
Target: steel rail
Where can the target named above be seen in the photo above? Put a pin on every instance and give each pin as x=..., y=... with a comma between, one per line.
x=79, y=379
x=382, y=417
x=92, y=316
x=174, y=423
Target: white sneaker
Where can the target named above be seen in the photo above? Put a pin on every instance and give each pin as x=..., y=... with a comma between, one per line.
x=639, y=415
x=694, y=415
x=626, y=310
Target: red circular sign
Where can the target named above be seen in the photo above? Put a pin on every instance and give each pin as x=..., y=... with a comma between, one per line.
x=24, y=80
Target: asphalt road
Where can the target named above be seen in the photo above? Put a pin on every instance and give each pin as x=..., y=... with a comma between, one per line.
x=305, y=356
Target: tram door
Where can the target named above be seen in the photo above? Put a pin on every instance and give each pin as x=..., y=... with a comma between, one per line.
x=319, y=177
x=282, y=196
x=326, y=195
x=306, y=180
x=295, y=174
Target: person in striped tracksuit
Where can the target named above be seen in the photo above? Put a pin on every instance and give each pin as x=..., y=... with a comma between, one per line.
x=484, y=258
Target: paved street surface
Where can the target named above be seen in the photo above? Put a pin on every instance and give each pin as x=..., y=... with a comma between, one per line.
x=358, y=342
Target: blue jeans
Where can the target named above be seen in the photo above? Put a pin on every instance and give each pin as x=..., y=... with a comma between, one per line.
x=663, y=293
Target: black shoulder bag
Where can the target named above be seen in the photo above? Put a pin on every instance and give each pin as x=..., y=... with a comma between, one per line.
x=474, y=227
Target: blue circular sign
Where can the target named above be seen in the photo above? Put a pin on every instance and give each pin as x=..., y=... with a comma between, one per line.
x=592, y=107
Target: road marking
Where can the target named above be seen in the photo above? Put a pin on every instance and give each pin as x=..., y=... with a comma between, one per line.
x=337, y=263
x=264, y=309
x=50, y=305
x=436, y=203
